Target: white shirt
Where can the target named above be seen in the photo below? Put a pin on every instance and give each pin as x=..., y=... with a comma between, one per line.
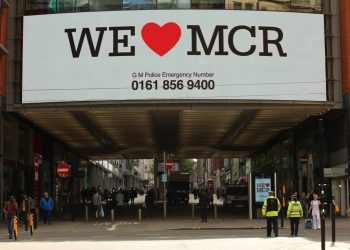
x=315, y=207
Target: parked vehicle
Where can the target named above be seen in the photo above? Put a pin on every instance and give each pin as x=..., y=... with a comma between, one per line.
x=178, y=188
x=236, y=195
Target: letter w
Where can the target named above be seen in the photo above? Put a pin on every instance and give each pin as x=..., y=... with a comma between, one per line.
x=85, y=32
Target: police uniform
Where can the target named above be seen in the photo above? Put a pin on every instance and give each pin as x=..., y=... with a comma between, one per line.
x=294, y=213
x=270, y=209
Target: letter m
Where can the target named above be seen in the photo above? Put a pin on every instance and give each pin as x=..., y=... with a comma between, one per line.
x=218, y=32
x=85, y=32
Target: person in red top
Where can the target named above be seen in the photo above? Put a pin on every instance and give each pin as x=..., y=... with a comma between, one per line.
x=10, y=210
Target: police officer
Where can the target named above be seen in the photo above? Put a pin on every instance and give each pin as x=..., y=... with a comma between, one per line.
x=270, y=209
x=294, y=213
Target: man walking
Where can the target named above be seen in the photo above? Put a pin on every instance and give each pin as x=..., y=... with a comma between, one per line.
x=203, y=204
x=294, y=213
x=97, y=203
x=270, y=209
x=46, y=204
x=10, y=210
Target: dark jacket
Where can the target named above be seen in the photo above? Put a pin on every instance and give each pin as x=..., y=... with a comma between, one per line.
x=203, y=200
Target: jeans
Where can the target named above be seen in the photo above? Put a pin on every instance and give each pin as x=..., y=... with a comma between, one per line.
x=10, y=224
x=47, y=216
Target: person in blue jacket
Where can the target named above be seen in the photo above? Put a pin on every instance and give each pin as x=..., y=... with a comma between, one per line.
x=46, y=204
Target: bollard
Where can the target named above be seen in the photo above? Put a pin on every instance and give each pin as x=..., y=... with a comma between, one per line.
x=15, y=227
x=192, y=211
x=140, y=214
x=86, y=213
x=215, y=212
x=333, y=221
x=112, y=214
x=31, y=223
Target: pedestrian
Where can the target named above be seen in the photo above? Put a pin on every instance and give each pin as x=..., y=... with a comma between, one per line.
x=10, y=210
x=46, y=204
x=149, y=200
x=133, y=195
x=304, y=203
x=270, y=210
x=120, y=202
x=315, y=211
x=294, y=213
x=97, y=203
x=203, y=204
x=24, y=208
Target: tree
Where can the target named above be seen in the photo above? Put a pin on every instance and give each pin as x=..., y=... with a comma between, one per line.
x=186, y=166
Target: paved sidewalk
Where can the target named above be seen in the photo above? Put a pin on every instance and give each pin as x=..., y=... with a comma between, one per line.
x=173, y=234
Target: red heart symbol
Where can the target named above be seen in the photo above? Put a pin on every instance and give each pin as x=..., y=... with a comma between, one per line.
x=267, y=184
x=161, y=39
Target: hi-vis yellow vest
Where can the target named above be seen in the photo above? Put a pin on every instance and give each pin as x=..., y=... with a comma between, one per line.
x=271, y=212
x=294, y=210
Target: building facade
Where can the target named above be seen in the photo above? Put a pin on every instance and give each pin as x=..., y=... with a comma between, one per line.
x=303, y=140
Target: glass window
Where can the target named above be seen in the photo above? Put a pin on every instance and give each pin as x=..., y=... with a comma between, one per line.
x=237, y=5
x=208, y=4
x=249, y=6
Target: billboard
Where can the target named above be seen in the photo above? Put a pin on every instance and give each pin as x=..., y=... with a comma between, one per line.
x=160, y=55
x=262, y=189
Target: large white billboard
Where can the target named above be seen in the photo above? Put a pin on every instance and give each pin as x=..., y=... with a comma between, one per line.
x=173, y=54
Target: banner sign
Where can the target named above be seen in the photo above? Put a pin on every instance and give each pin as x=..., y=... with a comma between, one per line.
x=262, y=189
x=160, y=55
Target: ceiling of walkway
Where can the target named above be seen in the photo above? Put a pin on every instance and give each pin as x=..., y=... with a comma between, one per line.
x=145, y=131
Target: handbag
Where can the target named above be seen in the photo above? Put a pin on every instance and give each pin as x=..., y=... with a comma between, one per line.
x=102, y=213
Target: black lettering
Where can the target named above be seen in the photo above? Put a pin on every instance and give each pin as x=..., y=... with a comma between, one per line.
x=267, y=41
x=231, y=43
x=218, y=32
x=85, y=32
x=124, y=41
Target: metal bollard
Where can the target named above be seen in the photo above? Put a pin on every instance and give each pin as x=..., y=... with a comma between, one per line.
x=112, y=214
x=140, y=214
x=86, y=213
x=31, y=223
x=15, y=227
x=215, y=212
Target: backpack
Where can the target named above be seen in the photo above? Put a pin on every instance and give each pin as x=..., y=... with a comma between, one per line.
x=272, y=204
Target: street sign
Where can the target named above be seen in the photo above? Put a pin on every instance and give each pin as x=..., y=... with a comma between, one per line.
x=169, y=164
x=63, y=170
x=164, y=178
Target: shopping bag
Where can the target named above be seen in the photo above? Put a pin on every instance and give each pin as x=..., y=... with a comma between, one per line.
x=308, y=223
x=102, y=213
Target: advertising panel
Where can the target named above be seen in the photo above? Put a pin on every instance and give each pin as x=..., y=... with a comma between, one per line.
x=160, y=55
x=262, y=189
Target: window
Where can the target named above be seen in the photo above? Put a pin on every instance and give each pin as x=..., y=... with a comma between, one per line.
x=237, y=6
x=249, y=6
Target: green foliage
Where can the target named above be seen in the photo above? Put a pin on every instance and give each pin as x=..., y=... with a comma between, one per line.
x=186, y=166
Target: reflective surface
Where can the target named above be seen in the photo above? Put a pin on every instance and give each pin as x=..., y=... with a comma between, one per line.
x=67, y=6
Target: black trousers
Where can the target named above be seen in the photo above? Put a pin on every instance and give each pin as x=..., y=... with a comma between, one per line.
x=272, y=221
x=294, y=226
x=204, y=213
